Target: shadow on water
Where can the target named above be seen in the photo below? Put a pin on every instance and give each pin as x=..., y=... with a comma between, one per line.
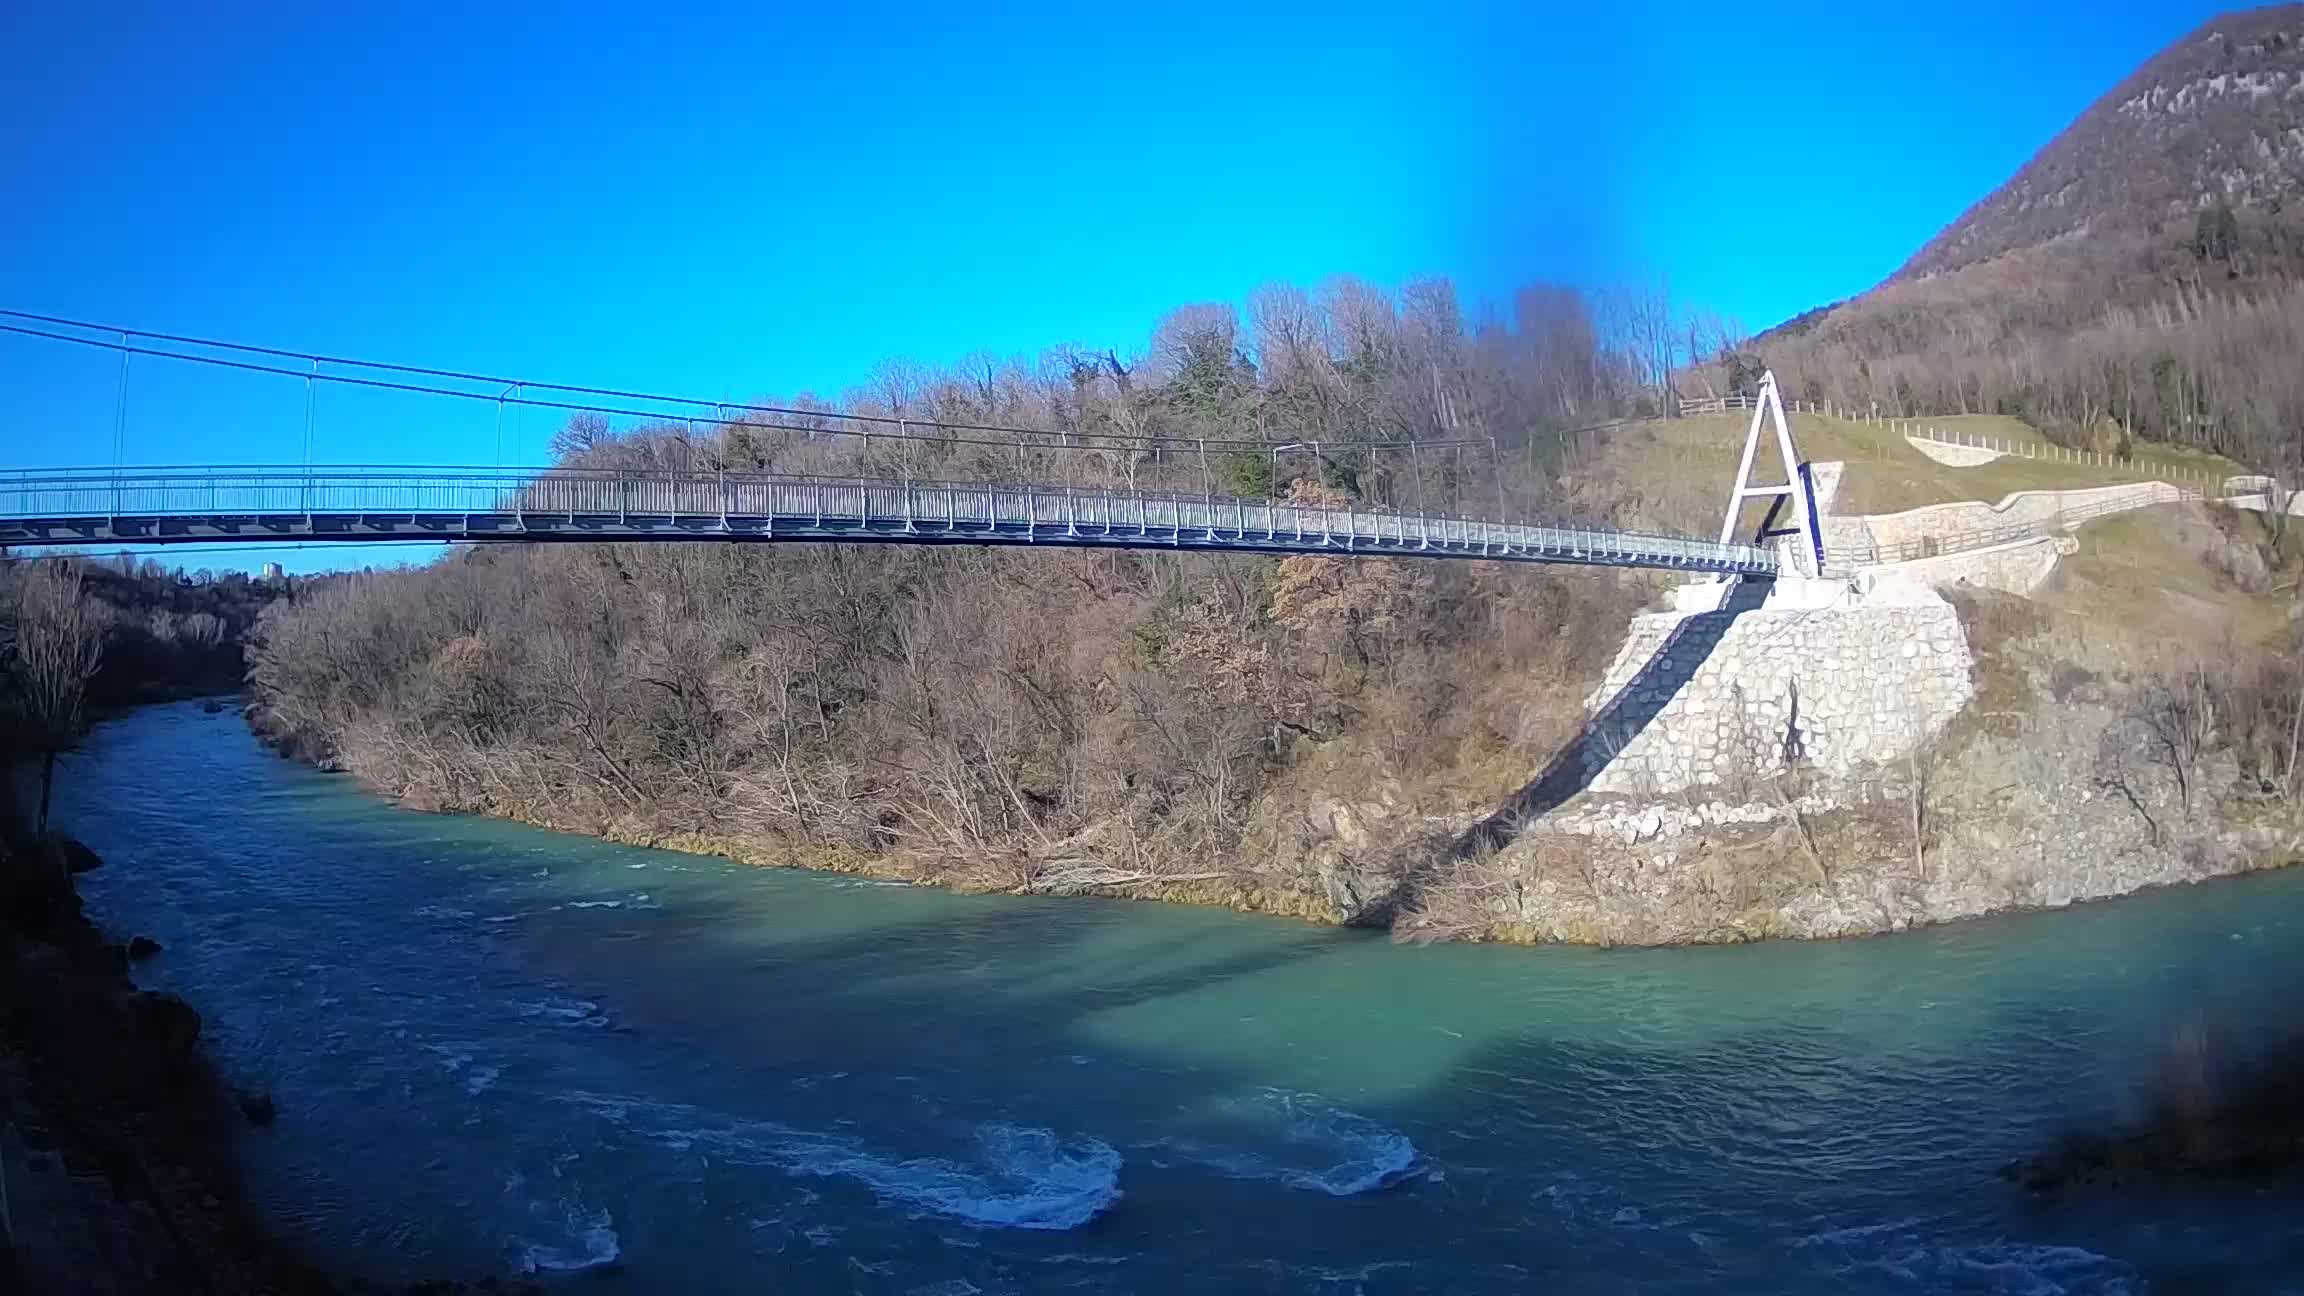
x=1786, y=1161
x=1790, y=1156
x=985, y=973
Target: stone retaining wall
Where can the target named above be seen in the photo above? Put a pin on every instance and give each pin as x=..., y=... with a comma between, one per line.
x=2024, y=508
x=1721, y=699
x=2017, y=568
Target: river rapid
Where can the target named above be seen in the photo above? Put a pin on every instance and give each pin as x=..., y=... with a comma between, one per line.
x=502, y=1050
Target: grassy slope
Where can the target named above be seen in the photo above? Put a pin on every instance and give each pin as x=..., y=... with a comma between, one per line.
x=2145, y=578
x=1679, y=469
x=2141, y=584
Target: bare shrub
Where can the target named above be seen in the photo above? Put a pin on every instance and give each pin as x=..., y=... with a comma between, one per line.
x=1033, y=721
x=2178, y=717
x=55, y=642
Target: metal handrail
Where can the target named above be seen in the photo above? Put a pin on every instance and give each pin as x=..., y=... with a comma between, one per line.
x=99, y=500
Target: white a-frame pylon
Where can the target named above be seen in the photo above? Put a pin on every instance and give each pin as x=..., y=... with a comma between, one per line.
x=1808, y=548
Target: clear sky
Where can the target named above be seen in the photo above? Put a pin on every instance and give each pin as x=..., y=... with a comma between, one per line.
x=751, y=199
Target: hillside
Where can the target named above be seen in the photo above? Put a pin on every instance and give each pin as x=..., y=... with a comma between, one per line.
x=2138, y=278
x=2216, y=118
x=1662, y=473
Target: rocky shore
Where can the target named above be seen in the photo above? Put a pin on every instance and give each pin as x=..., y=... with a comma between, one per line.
x=117, y=1170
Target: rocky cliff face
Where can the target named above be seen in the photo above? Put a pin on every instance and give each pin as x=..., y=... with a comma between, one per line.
x=2215, y=119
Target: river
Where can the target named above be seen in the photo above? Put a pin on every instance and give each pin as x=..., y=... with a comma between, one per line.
x=497, y=1049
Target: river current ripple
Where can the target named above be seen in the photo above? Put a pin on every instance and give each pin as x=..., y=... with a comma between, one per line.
x=502, y=1050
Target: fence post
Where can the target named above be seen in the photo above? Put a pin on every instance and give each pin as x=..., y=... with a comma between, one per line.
x=1496, y=466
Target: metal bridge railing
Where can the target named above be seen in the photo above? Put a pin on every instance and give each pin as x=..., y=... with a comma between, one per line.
x=638, y=501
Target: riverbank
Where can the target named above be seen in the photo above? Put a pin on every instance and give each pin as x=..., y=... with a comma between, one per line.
x=1442, y=751
x=1669, y=877
x=117, y=1162
x=995, y=877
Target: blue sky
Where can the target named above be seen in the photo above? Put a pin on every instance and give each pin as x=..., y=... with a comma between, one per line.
x=744, y=200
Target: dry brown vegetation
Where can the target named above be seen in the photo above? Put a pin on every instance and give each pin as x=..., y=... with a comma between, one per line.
x=77, y=636
x=1025, y=721
x=54, y=637
x=2097, y=343
x=1275, y=732
x=1303, y=735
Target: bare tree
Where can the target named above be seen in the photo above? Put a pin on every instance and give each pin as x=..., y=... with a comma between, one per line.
x=584, y=433
x=1919, y=771
x=58, y=643
x=1056, y=721
x=2295, y=727
x=2117, y=771
x=2179, y=717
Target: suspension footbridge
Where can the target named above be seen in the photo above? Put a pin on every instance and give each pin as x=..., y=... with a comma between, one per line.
x=894, y=496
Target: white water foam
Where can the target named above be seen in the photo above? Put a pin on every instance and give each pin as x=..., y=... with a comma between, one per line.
x=452, y=1058
x=1026, y=1178
x=1856, y=1233
x=1023, y=1177
x=591, y=1244
x=1999, y=1268
x=1305, y=1142
x=564, y=1012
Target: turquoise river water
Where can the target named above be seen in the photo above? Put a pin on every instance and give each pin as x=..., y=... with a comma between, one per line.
x=497, y=1049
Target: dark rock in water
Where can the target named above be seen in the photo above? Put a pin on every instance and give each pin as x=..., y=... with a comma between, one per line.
x=142, y=947
x=36, y=896
x=211, y=706
x=257, y=1107
x=165, y=1024
x=2223, y=1107
x=77, y=857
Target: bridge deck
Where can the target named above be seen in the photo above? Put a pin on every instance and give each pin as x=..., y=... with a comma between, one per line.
x=145, y=506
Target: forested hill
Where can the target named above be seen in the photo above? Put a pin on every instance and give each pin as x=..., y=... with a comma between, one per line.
x=2216, y=118
x=2138, y=278
x=165, y=632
